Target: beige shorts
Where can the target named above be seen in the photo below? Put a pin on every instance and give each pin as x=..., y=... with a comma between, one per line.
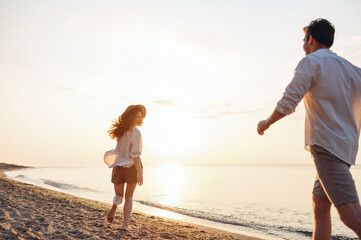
x=334, y=181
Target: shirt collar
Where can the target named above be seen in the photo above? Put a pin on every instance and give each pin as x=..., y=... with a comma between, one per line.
x=324, y=50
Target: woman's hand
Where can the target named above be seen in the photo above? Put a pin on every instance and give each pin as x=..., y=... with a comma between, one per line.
x=140, y=178
x=139, y=167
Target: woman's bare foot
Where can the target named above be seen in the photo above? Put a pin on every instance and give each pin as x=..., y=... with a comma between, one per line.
x=126, y=228
x=110, y=217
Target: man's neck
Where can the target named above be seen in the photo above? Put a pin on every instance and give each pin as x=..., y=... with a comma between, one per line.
x=317, y=47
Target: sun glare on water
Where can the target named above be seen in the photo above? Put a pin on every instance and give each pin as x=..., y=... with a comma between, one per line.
x=171, y=177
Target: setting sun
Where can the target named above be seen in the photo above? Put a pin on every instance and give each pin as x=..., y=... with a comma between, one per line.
x=171, y=131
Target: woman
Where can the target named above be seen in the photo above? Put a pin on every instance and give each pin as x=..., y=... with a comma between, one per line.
x=125, y=159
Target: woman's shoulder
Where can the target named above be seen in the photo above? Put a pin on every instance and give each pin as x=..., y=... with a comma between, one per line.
x=130, y=133
x=135, y=131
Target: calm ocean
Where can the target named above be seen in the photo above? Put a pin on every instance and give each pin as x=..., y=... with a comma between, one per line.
x=273, y=202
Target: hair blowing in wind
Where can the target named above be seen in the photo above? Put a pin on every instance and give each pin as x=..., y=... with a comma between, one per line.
x=125, y=121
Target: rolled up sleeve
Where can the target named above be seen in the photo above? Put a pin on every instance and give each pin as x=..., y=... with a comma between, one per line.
x=136, y=144
x=301, y=83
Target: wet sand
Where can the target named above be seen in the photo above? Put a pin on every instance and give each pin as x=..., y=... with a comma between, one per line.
x=31, y=212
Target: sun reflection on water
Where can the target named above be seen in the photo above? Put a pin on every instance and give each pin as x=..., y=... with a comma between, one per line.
x=171, y=181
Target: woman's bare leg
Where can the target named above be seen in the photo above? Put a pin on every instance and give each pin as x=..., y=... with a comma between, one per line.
x=119, y=191
x=128, y=204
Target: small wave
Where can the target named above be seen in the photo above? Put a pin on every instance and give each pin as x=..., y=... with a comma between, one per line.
x=277, y=231
x=269, y=229
x=214, y=217
x=65, y=186
x=198, y=214
x=342, y=238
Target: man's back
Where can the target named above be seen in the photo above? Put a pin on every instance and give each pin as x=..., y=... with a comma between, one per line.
x=331, y=89
x=333, y=104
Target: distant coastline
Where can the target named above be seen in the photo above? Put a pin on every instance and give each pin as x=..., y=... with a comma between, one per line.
x=8, y=167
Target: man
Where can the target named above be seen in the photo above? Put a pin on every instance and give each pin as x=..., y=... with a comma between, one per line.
x=331, y=89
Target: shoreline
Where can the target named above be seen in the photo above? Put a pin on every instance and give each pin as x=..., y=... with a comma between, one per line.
x=29, y=211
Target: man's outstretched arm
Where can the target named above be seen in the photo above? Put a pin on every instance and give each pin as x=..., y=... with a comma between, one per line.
x=301, y=83
x=265, y=124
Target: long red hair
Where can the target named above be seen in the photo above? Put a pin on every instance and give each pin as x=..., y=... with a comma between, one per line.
x=125, y=121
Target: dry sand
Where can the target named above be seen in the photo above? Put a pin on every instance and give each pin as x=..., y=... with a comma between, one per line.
x=31, y=212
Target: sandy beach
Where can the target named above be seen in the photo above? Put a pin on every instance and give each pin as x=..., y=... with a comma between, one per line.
x=31, y=212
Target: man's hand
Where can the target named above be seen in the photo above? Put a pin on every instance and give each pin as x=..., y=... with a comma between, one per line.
x=262, y=126
x=265, y=124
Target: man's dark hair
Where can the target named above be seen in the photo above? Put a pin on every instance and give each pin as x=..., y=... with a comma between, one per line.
x=321, y=30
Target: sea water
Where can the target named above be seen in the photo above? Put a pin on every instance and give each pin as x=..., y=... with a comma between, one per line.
x=272, y=202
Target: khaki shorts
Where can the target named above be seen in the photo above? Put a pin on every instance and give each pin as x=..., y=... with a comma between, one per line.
x=334, y=181
x=121, y=175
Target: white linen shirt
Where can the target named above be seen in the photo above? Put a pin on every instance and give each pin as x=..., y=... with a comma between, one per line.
x=331, y=89
x=129, y=146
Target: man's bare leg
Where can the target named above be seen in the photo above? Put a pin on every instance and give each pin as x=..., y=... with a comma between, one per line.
x=350, y=214
x=119, y=192
x=322, y=218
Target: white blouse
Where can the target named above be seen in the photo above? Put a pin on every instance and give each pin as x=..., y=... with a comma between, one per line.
x=129, y=146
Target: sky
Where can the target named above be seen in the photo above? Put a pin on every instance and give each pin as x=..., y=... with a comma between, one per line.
x=207, y=72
